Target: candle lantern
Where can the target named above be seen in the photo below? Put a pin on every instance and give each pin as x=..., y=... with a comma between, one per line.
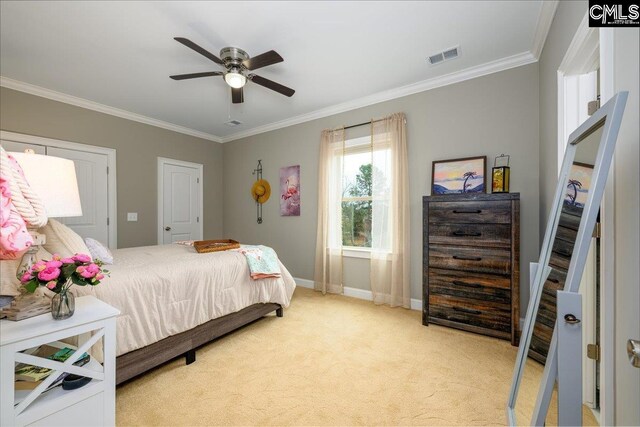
x=500, y=174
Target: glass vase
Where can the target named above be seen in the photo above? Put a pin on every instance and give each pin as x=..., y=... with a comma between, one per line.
x=63, y=305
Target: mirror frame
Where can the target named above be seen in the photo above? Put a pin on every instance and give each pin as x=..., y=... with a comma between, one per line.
x=611, y=115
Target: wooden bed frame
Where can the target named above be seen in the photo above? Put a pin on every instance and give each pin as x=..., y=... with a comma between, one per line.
x=185, y=343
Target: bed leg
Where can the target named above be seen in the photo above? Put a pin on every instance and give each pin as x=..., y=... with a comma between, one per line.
x=279, y=312
x=190, y=356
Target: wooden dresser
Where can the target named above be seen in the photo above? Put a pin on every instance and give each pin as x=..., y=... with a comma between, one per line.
x=471, y=263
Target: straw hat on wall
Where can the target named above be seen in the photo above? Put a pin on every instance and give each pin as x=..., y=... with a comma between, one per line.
x=261, y=191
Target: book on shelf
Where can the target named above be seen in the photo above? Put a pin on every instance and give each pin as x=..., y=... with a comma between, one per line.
x=31, y=373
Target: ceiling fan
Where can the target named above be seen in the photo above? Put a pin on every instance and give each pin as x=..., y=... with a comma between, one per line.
x=237, y=64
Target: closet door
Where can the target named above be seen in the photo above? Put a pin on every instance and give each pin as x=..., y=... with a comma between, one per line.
x=91, y=171
x=21, y=146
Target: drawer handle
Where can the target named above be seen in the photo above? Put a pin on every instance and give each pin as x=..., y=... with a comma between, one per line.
x=463, y=233
x=468, y=285
x=467, y=211
x=556, y=281
x=467, y=258
x=467, y=310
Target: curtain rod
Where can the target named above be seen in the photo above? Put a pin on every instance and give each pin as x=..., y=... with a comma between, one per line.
x=362, y=124
x=366, y=123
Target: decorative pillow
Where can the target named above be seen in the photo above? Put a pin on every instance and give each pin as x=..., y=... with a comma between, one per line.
x=9, y=283
x=99, y=251
x=62, y=240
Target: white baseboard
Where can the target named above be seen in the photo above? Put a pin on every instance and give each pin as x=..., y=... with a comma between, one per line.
x=304, y=283
x=416, y=304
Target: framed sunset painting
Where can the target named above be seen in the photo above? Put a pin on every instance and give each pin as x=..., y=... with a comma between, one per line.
x=457, y=176
x=578, y=184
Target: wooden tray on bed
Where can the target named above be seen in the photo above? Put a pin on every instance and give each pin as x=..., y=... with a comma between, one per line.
x=205, y=246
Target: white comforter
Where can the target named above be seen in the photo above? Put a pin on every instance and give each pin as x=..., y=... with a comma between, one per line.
x=164, y=290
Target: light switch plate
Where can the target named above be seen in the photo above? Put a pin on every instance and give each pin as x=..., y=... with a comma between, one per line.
x=132, y=216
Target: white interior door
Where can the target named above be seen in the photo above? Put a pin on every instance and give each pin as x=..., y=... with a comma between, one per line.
x=21, y=146
x=579, y=90
x=91, y=171
x=180, y=211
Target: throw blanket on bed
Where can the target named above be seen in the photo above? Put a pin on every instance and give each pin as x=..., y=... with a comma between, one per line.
x=262, y=260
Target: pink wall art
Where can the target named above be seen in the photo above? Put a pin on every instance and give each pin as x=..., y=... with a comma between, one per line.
x=290, y=191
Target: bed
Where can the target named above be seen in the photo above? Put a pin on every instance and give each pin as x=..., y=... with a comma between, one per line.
x=173, y=300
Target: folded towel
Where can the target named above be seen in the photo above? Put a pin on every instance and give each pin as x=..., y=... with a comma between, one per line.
x=262, y=261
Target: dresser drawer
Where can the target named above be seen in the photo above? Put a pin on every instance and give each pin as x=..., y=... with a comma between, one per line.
x=478, y=235
x=561, y=253
x=481, y=260
x=472, y=212
x=487, y=287
x=471, y=312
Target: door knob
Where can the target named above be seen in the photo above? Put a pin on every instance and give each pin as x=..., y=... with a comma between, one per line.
x=633, y=351
x=167, y=228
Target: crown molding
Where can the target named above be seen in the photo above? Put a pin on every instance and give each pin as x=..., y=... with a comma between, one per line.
x=579, y=43
x=545, y=19
x=491, y=67
x=101, y=108
x=514, y=61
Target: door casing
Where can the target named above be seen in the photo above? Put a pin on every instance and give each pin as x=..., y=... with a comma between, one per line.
x=577, y=52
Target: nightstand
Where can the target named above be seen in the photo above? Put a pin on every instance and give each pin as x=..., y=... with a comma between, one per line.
x=91, y=405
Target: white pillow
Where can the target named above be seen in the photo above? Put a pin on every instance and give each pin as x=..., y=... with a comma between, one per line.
x=62, y=240
x=99, y=251
x=9, y=283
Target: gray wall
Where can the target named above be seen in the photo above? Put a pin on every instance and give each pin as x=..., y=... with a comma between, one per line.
x=489, y=115
x=137, y=144
x=564, y=26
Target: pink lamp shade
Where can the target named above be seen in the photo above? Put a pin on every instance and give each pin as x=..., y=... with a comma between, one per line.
x=54, y=180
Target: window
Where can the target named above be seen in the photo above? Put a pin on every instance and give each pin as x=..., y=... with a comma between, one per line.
x=356, y=200
x=358, y=176
x=363, y=209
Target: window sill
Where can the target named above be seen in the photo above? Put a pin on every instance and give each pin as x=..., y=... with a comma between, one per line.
x=352, y=252
x=363, y=253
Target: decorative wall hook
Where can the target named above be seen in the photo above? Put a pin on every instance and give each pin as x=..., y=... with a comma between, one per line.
x=260, y=191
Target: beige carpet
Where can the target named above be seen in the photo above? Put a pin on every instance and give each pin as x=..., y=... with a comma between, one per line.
x=331, y=360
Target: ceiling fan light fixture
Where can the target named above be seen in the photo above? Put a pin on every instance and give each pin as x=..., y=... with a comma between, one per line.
x=235, y=79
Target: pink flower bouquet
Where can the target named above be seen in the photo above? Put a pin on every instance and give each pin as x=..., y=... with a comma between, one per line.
x=59, y=274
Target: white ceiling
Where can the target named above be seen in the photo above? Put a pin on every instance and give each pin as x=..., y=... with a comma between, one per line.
x=120, y=54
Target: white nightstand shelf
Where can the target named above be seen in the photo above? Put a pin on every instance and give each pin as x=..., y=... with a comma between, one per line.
x=93, y=404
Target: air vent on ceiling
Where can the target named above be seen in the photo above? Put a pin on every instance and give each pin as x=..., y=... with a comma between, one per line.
x=233, y=123
x=435, y=59
x=445, y=55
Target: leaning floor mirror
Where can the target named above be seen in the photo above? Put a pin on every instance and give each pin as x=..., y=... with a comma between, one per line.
x=533, y=397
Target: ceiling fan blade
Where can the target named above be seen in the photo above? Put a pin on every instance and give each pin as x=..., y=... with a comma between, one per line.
x=237, y=95
x=196, y=75
x=188, y=43
x=270, y=84
x=262, y=60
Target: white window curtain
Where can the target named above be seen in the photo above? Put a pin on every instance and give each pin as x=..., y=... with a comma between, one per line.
x=328, y=269
x=390, y=282
x=389, y=273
